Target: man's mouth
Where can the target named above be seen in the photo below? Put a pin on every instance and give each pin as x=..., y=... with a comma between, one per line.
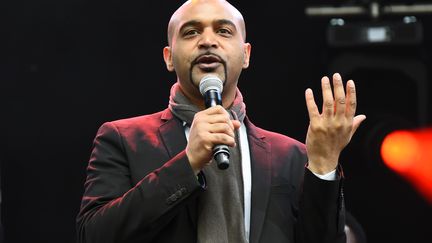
x=208, y=62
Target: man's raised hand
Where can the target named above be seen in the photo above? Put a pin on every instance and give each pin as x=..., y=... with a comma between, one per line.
x=330, y=131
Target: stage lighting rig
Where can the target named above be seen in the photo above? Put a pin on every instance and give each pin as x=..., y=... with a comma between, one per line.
x=385, y=24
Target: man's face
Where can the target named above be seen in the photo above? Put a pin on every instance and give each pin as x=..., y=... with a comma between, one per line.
x=207, y=37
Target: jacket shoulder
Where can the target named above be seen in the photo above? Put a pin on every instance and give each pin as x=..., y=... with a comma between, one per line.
x=148, y=120
x=144, y=125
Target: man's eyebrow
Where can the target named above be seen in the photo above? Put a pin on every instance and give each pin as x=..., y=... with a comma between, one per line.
x=189, y=23
x=199, y=23
x=225, y=22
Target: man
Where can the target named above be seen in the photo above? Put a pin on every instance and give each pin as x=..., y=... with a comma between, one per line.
x=152, y=179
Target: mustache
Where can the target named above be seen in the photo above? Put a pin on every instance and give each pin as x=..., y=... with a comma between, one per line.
x=208, y=53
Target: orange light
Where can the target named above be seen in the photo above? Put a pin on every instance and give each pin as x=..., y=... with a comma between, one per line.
x=400, y=150
x=409, y=153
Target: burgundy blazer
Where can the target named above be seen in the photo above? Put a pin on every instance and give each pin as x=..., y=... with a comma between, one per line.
x=140, y=187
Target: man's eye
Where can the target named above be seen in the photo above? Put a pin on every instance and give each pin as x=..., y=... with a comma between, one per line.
x=190, y=32
x=224, y=31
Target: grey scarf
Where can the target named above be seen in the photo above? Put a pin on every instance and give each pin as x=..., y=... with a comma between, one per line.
x=220, y=208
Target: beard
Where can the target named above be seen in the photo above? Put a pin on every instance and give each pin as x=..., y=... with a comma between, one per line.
x=195, y=70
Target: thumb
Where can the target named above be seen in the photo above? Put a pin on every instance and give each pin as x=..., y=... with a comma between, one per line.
x=357, y=120
x=236, y=124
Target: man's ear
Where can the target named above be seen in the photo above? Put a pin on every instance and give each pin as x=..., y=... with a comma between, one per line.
x=168, y=58
x=247, y=51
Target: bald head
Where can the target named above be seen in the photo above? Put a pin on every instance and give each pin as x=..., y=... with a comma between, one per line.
x=194, y=5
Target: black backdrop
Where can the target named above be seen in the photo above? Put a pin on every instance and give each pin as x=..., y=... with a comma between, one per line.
x=67, y=66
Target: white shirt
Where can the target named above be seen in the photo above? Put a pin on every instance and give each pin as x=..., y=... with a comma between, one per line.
x=247, y=174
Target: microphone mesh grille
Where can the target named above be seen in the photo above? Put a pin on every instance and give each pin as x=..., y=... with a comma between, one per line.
x=209, y=82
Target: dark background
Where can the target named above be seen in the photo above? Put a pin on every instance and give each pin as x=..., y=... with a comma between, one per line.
x=68, y=66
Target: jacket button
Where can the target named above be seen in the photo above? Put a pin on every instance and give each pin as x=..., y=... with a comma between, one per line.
x=168, y=201
x=171, y=199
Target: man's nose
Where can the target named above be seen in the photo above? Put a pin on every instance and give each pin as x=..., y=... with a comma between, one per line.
x=208, y=39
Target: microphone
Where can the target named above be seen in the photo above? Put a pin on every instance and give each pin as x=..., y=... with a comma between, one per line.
x=211, y=88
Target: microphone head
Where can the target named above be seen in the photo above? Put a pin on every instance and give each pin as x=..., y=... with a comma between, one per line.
x=210, y=82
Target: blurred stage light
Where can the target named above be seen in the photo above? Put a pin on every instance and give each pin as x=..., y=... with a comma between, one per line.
x=364, y=33
x=400, y=150
x=409, y=153
x=380, y=28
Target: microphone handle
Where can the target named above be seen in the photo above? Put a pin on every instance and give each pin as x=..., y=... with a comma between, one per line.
x=212, y=98
x=221, y=152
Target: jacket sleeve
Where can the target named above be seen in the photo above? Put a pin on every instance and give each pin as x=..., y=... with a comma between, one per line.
x=115, y=210
x=321, y=216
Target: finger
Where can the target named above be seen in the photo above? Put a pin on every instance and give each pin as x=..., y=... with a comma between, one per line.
x=328, y=101
x=311, y=105
x=351, y=99
x=217, y=118
x=219, y=114
x=214, y=110
x=222, y=128
x=339, y=94
x=357, y=120
x=235, y=121
x=220, y=118
x=221, y=138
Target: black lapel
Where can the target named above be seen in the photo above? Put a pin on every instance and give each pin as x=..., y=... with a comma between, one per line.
x=261, y=179
x=172, y=134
